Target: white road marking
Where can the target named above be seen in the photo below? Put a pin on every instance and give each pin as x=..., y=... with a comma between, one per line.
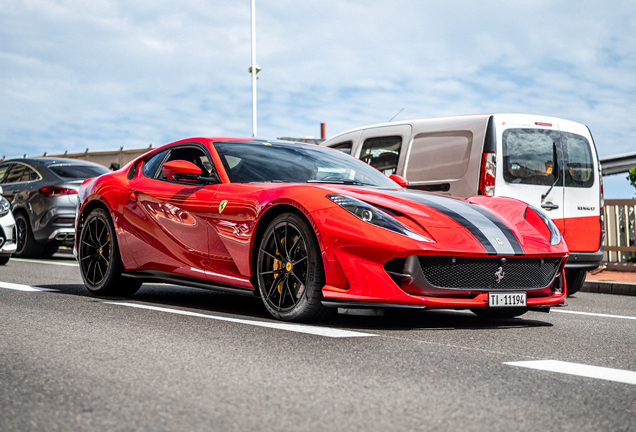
x=298, y=328
x=593, y=314
x=608, y=374
x=60, y=263
x=18, y=287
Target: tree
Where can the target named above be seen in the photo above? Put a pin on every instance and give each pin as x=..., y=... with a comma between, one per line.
x=632, y=176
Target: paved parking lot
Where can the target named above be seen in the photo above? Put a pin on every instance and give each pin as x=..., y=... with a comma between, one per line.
x=172, y=358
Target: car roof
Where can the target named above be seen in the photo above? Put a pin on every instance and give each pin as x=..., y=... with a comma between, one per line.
x=46, y=161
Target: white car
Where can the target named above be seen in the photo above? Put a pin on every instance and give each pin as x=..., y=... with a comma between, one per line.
x=7, y=230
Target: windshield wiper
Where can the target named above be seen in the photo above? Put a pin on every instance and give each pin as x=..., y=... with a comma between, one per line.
x=341, y=181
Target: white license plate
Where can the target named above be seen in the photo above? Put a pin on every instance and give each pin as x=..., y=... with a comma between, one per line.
x=506, y=299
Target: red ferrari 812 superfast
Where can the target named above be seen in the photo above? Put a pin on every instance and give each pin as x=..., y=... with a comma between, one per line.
x=309, y=229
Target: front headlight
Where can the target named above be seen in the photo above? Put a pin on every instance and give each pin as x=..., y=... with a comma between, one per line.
x=5, y=206
x=555, y=234
x=375, y=216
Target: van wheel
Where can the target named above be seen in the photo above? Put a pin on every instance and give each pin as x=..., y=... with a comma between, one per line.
x=575, y=280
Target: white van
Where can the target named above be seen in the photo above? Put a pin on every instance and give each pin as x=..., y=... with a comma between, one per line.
x=547, y=162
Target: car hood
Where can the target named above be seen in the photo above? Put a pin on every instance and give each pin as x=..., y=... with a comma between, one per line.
x=496, y=223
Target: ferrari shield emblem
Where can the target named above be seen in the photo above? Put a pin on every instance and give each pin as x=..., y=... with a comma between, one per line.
x=499, y=240
x=222, y=206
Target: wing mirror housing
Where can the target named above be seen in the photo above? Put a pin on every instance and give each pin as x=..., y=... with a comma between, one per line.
x=183, y=170
x=399, y=180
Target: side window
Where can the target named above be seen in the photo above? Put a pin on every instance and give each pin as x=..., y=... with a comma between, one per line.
x=150, y=165
x=192, y=154
x=3, y=170
x=14, y=175
x=382, y=153
x=29, y=174
x=529, y=156
x=344, y=147
x=579, y=170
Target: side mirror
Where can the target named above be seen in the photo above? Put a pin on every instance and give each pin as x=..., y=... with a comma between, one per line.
x=399, y=180
x=181, y=169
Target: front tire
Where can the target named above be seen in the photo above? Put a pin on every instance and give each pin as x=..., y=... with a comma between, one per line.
x=4, y=259
x=290, y=270
x=575, y=280
x=100, y=262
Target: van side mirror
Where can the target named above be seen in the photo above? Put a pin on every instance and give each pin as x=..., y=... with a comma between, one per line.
x=399, y=180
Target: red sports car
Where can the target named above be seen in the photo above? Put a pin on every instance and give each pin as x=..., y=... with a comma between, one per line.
x=310, y=229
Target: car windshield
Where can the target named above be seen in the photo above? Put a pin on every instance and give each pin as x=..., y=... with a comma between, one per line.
x=78, y=171
x=257, y=162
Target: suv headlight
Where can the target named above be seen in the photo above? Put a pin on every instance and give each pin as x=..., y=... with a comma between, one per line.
x=5, y=206
x=555, y=234
x=375, y=216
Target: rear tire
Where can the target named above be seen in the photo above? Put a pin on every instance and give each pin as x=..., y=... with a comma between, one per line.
x=290, y=271
x=575, y=280
x=99, y=259
x=491, y=313
x=27, y=246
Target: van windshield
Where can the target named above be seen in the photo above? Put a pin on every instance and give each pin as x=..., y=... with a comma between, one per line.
x=529, y=156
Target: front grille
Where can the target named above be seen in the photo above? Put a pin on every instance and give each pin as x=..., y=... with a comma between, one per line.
x=481, y=273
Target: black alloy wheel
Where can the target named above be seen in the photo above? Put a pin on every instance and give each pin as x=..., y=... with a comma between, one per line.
x=290, y=270
x=26, y=245
x=99, y=259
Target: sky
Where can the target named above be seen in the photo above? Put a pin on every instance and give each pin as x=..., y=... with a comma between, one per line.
x=103, y=74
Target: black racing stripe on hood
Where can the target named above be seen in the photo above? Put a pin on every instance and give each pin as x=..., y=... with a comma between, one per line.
x=474, y=230
x=512, y=239
x=434, y=202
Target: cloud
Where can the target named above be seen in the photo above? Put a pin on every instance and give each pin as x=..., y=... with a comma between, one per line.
x=105, y=74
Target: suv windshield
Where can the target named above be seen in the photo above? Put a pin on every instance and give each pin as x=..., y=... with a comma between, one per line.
x=78, y=171
x=257, y=161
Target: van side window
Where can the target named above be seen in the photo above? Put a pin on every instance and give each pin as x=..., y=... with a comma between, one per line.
x=344, y=147
x=382, y=153
x=529, y=156
x=579, y=170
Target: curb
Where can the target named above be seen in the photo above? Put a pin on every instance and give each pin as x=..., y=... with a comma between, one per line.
x=609, y=287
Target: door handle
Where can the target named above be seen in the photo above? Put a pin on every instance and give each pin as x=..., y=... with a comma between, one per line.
x=549, y=206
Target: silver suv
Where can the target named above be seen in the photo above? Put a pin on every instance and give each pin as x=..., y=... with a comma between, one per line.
x=43, y=196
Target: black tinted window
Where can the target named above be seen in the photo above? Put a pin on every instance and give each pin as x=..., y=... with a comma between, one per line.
x=192, y=154
x=579, y=171
x=529, y=156
x=3, y=170
x=150, y=165
x=296, y=163
x=78, y=171
x=344, y=147
x=14, y=174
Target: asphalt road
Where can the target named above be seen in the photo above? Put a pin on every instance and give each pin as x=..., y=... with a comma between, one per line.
x=181, y=359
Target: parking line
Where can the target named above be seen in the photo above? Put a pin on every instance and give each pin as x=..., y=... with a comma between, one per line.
x=608, y=374
x=18, y=287
x=68, y=264
x=593, y=314
x=298, y=328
